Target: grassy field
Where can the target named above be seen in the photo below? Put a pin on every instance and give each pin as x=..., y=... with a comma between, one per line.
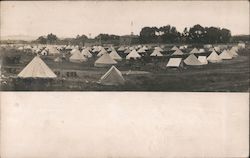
x=147, y=75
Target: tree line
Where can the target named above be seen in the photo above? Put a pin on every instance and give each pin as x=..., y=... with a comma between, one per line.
x=165, y=34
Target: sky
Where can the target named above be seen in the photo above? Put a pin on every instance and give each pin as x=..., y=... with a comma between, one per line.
x=68, y=19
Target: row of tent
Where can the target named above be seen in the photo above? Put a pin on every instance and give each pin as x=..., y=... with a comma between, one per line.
x=38, y=69
x=192, y=60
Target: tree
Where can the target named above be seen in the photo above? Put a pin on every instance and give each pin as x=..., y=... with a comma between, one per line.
x=51, y=38
x=41, y=40
x=196, y=34
x=148, y=35
x=225, y=35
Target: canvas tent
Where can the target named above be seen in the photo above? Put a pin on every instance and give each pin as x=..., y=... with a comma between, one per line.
x=103, y=51
x=174, y=62
x=58, y=59
x=156, y=53
x=225, y=55
x=86, y=53
x=159, y=49
x=114, y=55
x=217, y=49
x=141, y=50
x=77, y=57
x=73, y=51
x=37, y=69
x=174, y=48
x=201, y=50
x=233, y=53
x=214, y=57
x=203, y=60
x=195, y=50
x=112, y=77
x=133, y=54
x=178, y=52
x=104, y=61
x=122, y=48
x=192, y=60
x=242, y=45
x=127, y=51
x=44, y=52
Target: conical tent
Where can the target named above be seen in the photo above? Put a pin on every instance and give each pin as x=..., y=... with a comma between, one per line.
x=77, y=57
x=58, y=59
x=112, y=77
x=141, y=50
x=159, y=49
x=127, y=51
x=174, y=48
x=211, y=49
x=75, y=51
x=44, y=52
x=225, y=55
x=214, y=57
x=174, y=62
x=86, y=53
x=201, y=50
x=178, y=52
x=103, y=51
x=122, y=48
x=233, y=53
x=37, y=69
x=52, y=50
x=114, y=55
x=235, y=48
x=156, y=53
x=104, y=61
x=133, y=54
x=192, y=60
x=145, y=47
x=203, y=60
x=195, y=50
x=217, y=49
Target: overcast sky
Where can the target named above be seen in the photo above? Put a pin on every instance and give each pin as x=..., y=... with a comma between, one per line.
x=67, y=19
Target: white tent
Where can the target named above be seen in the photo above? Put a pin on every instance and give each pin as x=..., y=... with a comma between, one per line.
x=20, y=48
x=159, y=49
x=201, y=50
x=174, y=48
x=211, y=49
x=242, y=45
x=225, y=55
x=203, y=60
x=233, y=53
x=86, y=53
x=145, y=47
x=44, y=52
x=156, y=53
x=77, y=57
x=122, y=48
x=174, y=62
x=235, y=48
x=214, y=57
x=141, y=50
x=103, y=51
x=127, y=51
x=58, y=59
x=192, y=60
x=112, y=77
x=73, y=51
x=217, y=49
x=37, y=69
x=114, y=55
x=104, y=61
x=52, y=50
x=178, y=52
x=195, y=50
x=133, y=54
